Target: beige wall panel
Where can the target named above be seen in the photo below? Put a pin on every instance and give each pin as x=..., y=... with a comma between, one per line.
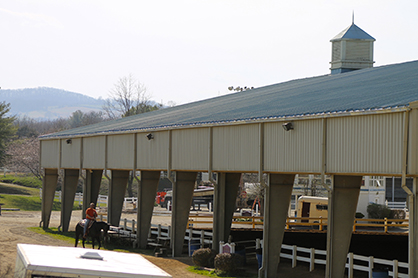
x=236, y=148
x=120, y=151
x=365, y=144
x=70, y=157
x=336, y=51
x=298, y=150
x=94, y=152
x=152, y=154
x=357, y=49
x=413, y=146
x=50, y=153
x=190, y=149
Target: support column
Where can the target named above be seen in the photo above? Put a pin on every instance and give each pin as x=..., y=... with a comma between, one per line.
x=183, y=188
x=225, y=195
x=117, y=189
x=342, y=205
x=276, y=206
x=146, y=198
x=413, y=229
x=91, y=189
x=48, y=192
x=69, y=187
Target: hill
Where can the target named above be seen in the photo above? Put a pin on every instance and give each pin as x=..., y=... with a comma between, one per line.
x=48, y=103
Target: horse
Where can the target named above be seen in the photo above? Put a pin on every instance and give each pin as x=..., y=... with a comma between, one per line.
x=94, y=232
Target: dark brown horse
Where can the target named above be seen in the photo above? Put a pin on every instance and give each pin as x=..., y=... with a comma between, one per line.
x=95, y=232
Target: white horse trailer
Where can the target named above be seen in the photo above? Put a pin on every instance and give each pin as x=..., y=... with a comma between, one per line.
x=54, y=261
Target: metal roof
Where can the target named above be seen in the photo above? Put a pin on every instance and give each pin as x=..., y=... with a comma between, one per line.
x=384, y=87
x=353, y=32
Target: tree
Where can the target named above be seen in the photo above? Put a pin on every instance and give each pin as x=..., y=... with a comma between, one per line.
x=78, y=118
x=23, y=156
x=7, y=130
x=127, y=98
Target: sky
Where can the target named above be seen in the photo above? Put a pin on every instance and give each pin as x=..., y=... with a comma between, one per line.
x=188, y=50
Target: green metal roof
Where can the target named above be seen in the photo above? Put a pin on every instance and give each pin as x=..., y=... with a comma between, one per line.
x=369, y=89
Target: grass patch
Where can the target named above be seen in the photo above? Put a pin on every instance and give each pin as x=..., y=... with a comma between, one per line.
x=24, y=180
x=18, y=190
x=211, y=273
x=28, y=203
x=54, y=233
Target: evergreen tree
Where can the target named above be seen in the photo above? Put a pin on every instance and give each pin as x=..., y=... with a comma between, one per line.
x=7, y=130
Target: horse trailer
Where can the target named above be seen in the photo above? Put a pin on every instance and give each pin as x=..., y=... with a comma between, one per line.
x=33, y=261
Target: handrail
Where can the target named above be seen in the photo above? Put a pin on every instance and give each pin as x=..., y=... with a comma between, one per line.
x=294, y=222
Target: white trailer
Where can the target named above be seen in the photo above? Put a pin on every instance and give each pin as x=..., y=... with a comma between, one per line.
x=54, y=261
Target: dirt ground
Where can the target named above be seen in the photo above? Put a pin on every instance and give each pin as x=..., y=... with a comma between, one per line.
x=13, y=230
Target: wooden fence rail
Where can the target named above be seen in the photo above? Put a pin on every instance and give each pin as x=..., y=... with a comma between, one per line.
x=297, y=222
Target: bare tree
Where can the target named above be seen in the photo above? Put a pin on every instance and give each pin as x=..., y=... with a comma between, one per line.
x=23, y=156
x=128, y=97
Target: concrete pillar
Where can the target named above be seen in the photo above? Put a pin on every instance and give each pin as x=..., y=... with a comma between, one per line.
x=276, y=205
x=91, y=189
x=342, y=205
x=225, y=197
x=117, y=189
x=69, y=187
x=413, y=229
x=183, y=188
x=146, y=198
x=48, y=192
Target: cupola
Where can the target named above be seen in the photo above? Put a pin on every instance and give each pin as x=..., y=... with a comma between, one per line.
x=352, y=49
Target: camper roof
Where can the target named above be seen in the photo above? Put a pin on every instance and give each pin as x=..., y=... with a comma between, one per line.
x=80, y=262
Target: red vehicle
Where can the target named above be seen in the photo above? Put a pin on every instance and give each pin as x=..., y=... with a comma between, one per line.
x=160, y=198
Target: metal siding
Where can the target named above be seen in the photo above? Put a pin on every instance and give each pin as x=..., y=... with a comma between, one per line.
x=94, y=152
x=365, y=144
x=152, y=154
x=50, y=153
x=298, y=150
x=70, y=153
x=190, y=149
x=120, y=151
x=236, y=148
x=413, y=139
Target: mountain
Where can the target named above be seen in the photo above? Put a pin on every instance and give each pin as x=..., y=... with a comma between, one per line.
x=48, y=103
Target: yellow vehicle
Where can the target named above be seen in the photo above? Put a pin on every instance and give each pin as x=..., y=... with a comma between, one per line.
x=312, y=207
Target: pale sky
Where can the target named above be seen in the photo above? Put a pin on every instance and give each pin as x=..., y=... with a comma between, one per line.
x=184, y=51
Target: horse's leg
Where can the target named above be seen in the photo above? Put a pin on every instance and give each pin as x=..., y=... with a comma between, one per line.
x=84, y=241
x=100, y=244
x=92, y=241
x=76, y=239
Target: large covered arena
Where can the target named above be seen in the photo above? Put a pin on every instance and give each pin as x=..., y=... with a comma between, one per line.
x=358, y=121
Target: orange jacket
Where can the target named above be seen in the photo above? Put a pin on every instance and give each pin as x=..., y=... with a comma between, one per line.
x=91, y=213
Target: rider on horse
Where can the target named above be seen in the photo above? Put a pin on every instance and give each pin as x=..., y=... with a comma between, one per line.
x=91, y=215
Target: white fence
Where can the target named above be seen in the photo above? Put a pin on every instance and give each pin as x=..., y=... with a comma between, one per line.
x=355, y=262
x=396, y=205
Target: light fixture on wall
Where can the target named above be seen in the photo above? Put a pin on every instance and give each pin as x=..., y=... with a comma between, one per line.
x=150, y=136
x=69, y=141
x=287, y=126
